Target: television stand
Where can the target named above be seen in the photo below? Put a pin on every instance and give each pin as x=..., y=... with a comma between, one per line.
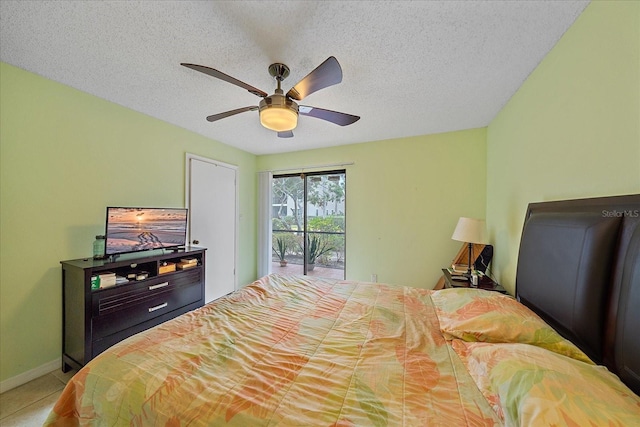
x=95, y=319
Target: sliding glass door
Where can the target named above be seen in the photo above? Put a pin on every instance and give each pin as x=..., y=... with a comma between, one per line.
x=308, y=224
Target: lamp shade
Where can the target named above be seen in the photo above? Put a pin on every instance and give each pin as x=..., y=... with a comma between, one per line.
x=470, y=230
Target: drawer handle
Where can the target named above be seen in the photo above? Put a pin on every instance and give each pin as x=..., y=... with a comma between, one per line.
x=158, y=307
x=158, y=286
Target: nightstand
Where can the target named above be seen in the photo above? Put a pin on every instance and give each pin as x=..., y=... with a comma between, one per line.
x=488, y=284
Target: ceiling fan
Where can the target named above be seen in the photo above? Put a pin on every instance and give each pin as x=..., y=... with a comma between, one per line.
x=279, y=112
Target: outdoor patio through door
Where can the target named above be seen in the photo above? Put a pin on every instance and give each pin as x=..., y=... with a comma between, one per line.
x=308, y=224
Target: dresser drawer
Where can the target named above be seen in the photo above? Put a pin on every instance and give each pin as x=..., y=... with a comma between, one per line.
x=144, y=301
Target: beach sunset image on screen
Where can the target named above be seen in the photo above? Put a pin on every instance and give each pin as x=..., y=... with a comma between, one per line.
x=140, y=229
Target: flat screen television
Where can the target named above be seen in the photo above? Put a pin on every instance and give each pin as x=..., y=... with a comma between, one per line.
x=142, y=229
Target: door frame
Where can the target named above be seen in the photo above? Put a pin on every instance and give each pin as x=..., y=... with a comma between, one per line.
x=187, y=201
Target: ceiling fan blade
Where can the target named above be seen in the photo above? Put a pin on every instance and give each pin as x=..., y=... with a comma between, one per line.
x=342, y=119
x=326, y=74
x=286, y=134
x=219, y=116
x=222, y=76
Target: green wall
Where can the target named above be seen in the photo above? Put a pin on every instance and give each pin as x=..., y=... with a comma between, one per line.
x=573, y=128
x=404, y=198
x=65, y=155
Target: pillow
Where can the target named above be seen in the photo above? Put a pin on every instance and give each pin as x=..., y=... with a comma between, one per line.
x=478, y=315
x=531, y=386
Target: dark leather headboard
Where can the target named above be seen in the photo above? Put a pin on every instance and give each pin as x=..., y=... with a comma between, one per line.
x=576, y=267
x=626, y=314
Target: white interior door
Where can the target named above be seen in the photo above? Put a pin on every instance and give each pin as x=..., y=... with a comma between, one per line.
x=212, y=203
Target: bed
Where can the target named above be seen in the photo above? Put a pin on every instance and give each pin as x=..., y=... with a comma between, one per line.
x=296, y=351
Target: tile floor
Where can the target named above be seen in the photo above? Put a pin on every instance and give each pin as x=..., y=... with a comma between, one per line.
x=29, y=404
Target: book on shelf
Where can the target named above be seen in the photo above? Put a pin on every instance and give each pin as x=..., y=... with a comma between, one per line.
x=106, y=274
x=189, y=260
x=107, y=282
x=142, y=275
x=458, y=269
x=458, y=276
x=184, y=265
x=103, y=280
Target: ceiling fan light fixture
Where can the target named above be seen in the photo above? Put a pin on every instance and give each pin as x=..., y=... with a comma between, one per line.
x=279, y=119
x=278, y=113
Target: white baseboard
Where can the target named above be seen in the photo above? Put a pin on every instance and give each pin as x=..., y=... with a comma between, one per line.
x=32, y=374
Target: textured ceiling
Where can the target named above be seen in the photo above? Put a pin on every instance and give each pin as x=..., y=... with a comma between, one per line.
x=409, y=68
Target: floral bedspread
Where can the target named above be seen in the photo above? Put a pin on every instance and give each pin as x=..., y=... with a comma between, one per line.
x=296, y=351
x=286, y=351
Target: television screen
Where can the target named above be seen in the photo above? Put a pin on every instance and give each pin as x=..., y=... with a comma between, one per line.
x=141, y=229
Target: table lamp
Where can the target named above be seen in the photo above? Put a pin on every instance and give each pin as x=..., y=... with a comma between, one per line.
x=470, y=231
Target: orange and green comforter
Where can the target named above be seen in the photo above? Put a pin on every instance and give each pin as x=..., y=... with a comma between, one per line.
x=295, y=351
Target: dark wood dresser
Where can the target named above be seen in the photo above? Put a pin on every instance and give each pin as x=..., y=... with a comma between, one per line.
x=95, y=319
